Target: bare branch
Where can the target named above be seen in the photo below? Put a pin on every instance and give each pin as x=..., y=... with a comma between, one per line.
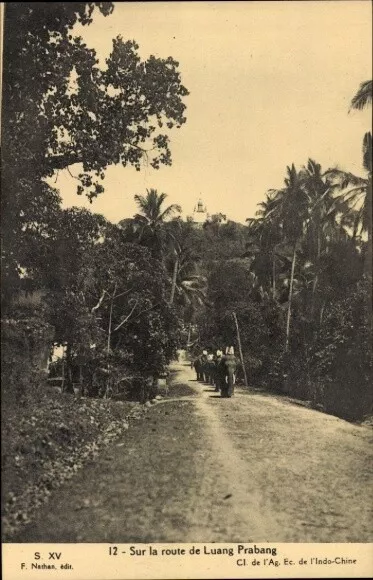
x=146, y=310
x=64, y=160
x=99, y=302
x=127, y=318
x=73, y=176
x=122, y=293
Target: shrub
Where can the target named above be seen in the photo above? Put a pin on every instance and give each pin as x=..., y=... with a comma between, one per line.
x=341, y=357
x=25, y=351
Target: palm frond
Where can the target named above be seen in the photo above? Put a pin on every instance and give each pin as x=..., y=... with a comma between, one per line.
x=363, y=97
x=251, y=222
x=158, y=198
x=141, y=201
x=355, y=194
x=169, y=211
x=367, y=152
x=313, y=168
x=343, y=179
x=139, y=219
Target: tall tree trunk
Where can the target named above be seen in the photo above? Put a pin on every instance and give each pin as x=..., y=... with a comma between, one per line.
x=368, y=253
x=110, y=320
x=321, y=314
x=68, y=385
x=368, y=258
x=290, y=297
x=240, y=349
x=174, y=278
x=274, y=275
x=314, y=287
x=189, y=334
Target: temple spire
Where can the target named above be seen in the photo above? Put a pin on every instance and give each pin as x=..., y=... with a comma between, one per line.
x=200, y=212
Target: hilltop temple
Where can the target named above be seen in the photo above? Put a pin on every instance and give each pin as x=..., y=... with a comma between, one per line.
x=201, y=215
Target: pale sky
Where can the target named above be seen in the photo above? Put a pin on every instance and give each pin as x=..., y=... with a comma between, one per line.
x=270, y=84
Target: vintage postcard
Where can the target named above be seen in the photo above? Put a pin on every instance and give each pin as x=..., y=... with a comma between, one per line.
x=187, y=290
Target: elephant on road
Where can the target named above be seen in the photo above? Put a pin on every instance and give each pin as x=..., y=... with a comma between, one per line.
x=229, y=363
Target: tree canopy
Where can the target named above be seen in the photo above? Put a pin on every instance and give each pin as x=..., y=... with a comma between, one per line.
x=57, y=97
x=62, y=108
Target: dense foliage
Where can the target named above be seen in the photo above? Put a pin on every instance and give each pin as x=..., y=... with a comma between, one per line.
x=106, y=301
x=61, y=109
x=302, y=287
x=26, y=339
x=301, y=292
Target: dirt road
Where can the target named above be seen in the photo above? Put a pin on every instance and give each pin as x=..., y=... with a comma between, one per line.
x=200, y=468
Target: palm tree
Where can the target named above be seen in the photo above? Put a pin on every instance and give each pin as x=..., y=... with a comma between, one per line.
x=149, y=223
x=362, y=99
x=354, y=198
x=356, y=192
x=294, y=228
x=290, y=209
x=321, y=225
x=188, y=285
x=264, y=234
x=191, y=291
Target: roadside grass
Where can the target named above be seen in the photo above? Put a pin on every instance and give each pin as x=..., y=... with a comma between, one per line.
x=46, y=440
x=141, y=488
x=50, y=436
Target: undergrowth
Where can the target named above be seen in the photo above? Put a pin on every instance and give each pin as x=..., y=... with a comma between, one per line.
x=46, y=442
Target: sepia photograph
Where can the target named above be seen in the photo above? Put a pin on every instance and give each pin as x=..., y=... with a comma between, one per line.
x=186, y=204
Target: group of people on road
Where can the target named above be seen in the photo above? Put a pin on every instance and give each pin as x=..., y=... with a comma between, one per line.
x=217, y=369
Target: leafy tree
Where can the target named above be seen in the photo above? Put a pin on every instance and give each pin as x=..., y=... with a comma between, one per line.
x=26, y=248
x=188, y=284
x=106, y=117
x=231, y=289
x=109, y=305
x=341, y=361
x=130, y=302
x=294, y=224
x=264, y=235
x=220, y=241
x=229, y=282
x=67, y=275
x=61, y=109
